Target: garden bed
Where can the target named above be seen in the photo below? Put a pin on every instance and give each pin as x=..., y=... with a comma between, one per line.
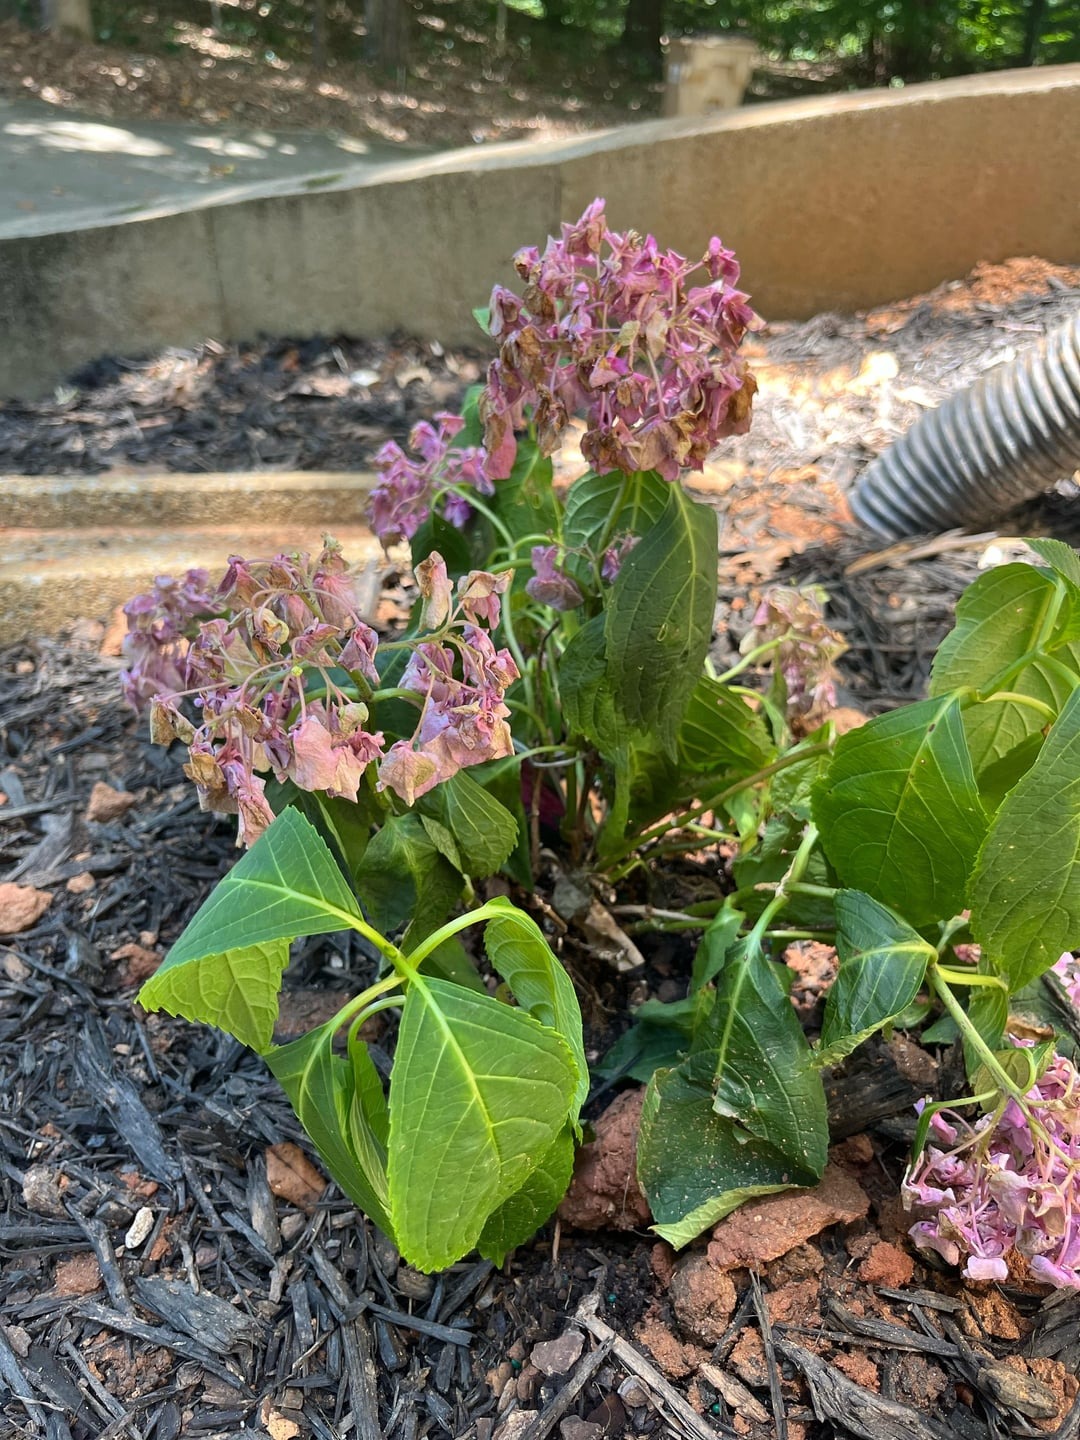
x=171, y=1266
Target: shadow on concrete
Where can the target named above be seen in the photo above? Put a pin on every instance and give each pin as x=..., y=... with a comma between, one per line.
x=60, y=169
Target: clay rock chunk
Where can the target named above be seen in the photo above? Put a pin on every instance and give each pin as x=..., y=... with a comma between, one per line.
x=107, y=803
x=703, y=1298
x=766, y=1229
x=604, y=1193
x=21, y=906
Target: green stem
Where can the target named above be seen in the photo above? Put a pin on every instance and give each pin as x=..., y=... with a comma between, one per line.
x=800, y=887
x=359, y=1003
x=487, y=911
x=750, y=658
x=1014, y=696
x=971, y=1035
x=789, y=885
x=952, y=976
x=795, y=757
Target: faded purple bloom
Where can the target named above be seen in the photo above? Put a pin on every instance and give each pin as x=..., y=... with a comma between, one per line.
x=611, y=327
x=1010, y=1181
x=244, y=657
x=411, y=487
x=793, y=619
x=463, y=721
x=479, y=595
x=551, y=585
x=614, y=556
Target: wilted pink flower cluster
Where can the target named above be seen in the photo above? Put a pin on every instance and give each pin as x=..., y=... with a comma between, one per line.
x=806, y=647
x=610, y=327
x=1014, y=1183
x=463, y=721
x=549, y=583
x=411, y=487
x=155, y=647
x=260, y=662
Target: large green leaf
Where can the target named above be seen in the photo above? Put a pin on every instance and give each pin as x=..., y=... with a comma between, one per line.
x=1012, y=625
x=752, y=1053
x=661, y=1035
x=720, y=734
x=696, y=1166
x=344, y=824
x=588, y=705
x=1061, y=558
x=1005, y=615
x=659, y=617
x=478, y=1095
x=715, y=945
x=484, y=830
x=518, y=952
x=518, y=1218
x=591, y=520
x=882, y=965
x=322, y=1088
x=226, y=967
x=525, y=501
x=899, y=810
x=1025, y=894
x=405, y=877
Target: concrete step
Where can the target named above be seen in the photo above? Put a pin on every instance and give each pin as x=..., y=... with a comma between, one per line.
x=164, y=500
x=49, y=578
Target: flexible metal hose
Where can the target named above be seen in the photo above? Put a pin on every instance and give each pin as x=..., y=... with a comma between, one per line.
x=1014, y=434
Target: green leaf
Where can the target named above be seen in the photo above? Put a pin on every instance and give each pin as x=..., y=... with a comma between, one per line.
x=1012, y=625
x=1060, y=557
x=525, y=501
x=899, y=810
x=696, y=1166
x=715, y=944
x=502, y=778
x=882, y=965
x=435, y=533
x=1025, y=894
x=345, y=825
x=601, y=508
x=484, y=830
x=517, y=950
x=720, y=734
x=404, y=876
x=518, y=1218
x=322, y=1089
x=237, y=991
x=791, y=789
x=660, y=1036
x=1003, y=616
x=226, y=967
x=753, y=1055
x=659, y=617
x=588, y=706
x=479, y=1093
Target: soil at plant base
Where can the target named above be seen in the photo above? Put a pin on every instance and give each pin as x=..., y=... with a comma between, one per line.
x=171, y=1259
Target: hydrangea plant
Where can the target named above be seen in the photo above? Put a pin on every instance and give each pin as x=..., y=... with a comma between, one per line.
x=555, y=675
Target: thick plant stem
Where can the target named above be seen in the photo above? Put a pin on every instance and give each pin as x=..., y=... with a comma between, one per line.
x=993, y=1065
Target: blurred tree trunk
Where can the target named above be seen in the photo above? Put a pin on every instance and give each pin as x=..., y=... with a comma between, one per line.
x=68, y=17
x=1033, y=23
x=318, y=35
x=387, y=24
x=642, y=31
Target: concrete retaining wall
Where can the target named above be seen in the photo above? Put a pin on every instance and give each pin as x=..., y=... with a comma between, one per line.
x=831, y=204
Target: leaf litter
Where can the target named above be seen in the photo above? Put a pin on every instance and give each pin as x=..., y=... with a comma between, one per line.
x=171, y=1261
